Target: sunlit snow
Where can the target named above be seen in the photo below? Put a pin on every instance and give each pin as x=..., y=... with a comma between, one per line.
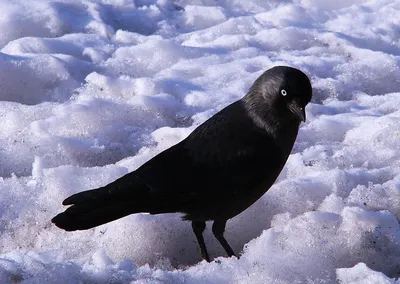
x=92, y=89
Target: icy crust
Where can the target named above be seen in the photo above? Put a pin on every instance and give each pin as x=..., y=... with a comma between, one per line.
x=91, y=90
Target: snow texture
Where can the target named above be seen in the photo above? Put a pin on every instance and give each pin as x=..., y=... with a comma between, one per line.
x=92, y=89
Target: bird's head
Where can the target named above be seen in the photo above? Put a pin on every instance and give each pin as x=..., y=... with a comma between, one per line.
x=280, y=95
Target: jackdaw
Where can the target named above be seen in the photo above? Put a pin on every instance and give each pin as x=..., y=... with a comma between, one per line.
x=218, y=171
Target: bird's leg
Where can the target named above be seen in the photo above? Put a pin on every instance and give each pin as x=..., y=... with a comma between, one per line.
x=218, y=230
x=198, y=229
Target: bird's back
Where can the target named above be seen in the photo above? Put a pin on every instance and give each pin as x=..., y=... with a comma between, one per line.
x=219, y=170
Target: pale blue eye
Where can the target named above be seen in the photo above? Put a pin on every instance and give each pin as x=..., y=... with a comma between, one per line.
x=283, y=92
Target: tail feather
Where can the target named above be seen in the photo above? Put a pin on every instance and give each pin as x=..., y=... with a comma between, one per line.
x=91, y=208
x=128, y=186
x=89, y=215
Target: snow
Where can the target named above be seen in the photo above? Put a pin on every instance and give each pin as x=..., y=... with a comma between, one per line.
x=90, y=90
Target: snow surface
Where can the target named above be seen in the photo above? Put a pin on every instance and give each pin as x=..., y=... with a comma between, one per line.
x=92, y=89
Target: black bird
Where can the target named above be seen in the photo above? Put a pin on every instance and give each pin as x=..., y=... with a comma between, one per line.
x=219, y=170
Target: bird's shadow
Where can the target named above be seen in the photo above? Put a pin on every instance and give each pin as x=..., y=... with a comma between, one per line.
x=165, y=241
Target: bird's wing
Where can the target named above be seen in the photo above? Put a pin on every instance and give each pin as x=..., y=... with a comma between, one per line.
x=226, y=154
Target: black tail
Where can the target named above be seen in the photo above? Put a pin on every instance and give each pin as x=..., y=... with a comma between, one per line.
x=118, y=199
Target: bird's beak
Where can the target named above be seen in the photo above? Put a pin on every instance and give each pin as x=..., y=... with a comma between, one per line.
x=298, y=111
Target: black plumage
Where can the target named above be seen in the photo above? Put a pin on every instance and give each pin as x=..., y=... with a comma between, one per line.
x=219, y=170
